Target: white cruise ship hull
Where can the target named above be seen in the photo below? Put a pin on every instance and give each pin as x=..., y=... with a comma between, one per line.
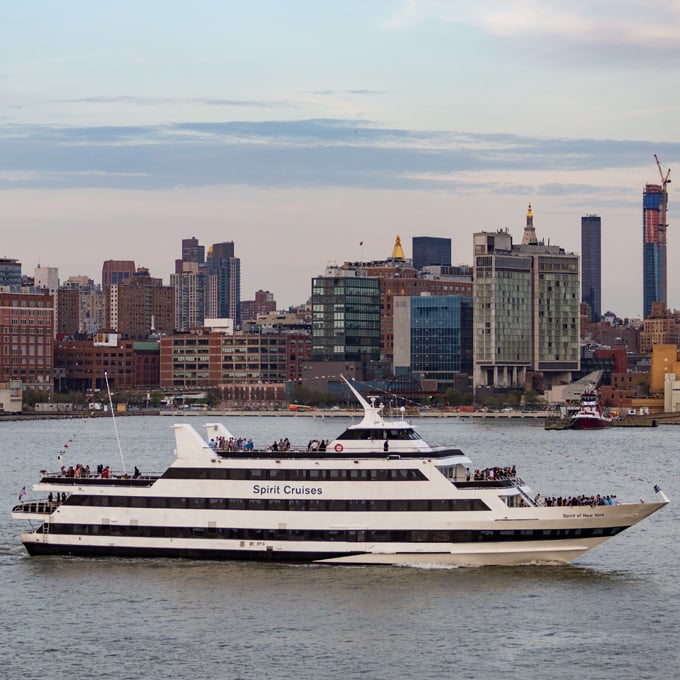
x=378, y=494
x=526, y=535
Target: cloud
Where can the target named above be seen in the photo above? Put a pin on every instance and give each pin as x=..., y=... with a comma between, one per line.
x=310, y=153
x=176, y=101
x=629, y=28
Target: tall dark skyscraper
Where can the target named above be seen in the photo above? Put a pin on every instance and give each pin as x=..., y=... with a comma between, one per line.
x=431, y=250
x=224, y=282
x=192, y=251
x=654, y=201
x=591, y=264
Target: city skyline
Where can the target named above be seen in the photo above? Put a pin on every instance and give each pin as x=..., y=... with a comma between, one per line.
x=302, y=131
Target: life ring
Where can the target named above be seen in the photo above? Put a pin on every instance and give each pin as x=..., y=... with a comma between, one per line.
x=338, y=448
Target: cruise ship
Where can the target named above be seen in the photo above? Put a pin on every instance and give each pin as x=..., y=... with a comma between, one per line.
x=377, y=494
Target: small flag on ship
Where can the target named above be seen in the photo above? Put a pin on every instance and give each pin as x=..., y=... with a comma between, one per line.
x=657, y=488
x=22, y=493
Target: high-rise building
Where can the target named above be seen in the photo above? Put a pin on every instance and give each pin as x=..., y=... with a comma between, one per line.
x=224, y=282
x=433, y=336
x=345, y=318
x=90, y=313
x=191, y=288
x=10, y=272
x=68, y=312
x=117, y=271
x=654, y=203
x=140, y=307
x=26, y=320
x=526, y=310
x=431, y=250
x=398, y=276
x=192, y=251
x=47, y=278
x=591, y=264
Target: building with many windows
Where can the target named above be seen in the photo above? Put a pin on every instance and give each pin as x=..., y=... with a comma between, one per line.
x=431, y=250
x=224, y=282
x=117, y=271
x=591, y=265
x=263, y=303
x=85, y=365
x=217, y=359
x=526, y=311
x=654, y=203
x=10, y=272
x=398, y=277
x=140, y=307
x=433, y=338
x=345, y=317
x=191, y=296
x=26, y=331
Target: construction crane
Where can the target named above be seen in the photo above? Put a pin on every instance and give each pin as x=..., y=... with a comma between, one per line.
x=665, y=181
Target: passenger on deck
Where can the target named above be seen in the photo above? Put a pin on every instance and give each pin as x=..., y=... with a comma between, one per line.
x=137, y=473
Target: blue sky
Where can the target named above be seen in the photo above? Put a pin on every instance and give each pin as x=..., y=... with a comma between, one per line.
x=300, y=129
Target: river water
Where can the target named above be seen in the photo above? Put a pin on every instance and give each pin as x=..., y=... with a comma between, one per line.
x=614, y=613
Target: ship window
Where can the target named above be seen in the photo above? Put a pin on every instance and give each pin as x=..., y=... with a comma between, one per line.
x=399, y=505
x=418, y=505
x=316, y=505
x=378, y=505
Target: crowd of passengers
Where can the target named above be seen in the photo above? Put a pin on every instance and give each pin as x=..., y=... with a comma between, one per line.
x=492, y=473
x=83, y=471
x=231, y=444
x=576, y=500
x=317, y=444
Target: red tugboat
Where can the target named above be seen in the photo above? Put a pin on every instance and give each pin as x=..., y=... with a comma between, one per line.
x=589, y=415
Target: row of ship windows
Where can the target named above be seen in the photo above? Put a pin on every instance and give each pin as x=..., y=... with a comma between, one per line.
x=351, y=535
x=314, y=475
x=284, y=504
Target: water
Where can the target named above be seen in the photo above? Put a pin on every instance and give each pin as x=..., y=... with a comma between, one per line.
x=614, y=613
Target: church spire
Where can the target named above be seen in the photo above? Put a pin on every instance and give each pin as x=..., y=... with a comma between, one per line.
x=529, y=238
x=398, y=251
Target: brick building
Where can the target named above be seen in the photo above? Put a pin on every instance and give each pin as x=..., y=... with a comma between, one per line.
x=26, y=329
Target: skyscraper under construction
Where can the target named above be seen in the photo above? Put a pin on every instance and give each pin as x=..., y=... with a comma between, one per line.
x=654, y=224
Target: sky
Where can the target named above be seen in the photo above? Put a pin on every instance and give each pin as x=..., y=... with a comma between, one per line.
x=302, y=129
